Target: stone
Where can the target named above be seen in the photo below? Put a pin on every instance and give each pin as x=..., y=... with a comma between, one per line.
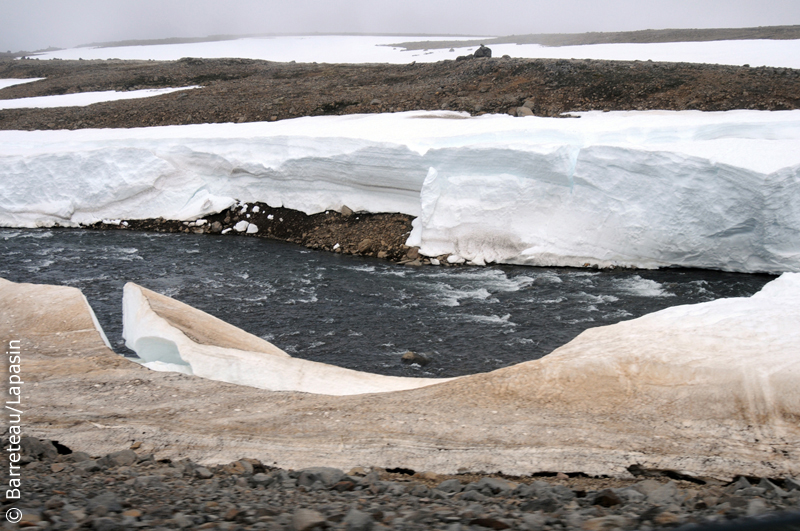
x=792, y=484
x=605, y=523
x=216, y=227
x=413, y=357
x=412, y=253
x=663, y=495
x=261, y=479
x=450, y=486
x=546, y=504
x=38, y=448
x=482, y=51
x=88, y=466
x=346, y=211
x=529, y=104
x=470, y=495
x=647, y=486
x=533, y=521
x=203, y=473
x=106, y=524
x=667, y=518
x=358, y=521
x=523, y=111
x=495, y=485
x=307, y=519
x=104, y=503
x=490, y=523
x=607, y=498
x=740, y=483
x=365, y=246
x=771, y=488
x=58, y=467
x=327, y=475
x=121, y=458
x=756, y=506
x=148, y=481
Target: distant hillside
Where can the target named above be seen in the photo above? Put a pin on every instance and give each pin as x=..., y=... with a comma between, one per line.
x=643, y=36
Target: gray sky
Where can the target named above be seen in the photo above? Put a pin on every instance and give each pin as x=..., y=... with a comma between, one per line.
x=36, y=24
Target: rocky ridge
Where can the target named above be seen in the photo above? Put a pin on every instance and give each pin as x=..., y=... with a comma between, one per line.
x=66, y=490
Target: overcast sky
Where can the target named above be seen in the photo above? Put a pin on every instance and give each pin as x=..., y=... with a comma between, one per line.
x=35, y=24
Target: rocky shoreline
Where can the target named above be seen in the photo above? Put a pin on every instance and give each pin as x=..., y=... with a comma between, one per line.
x=65, y=490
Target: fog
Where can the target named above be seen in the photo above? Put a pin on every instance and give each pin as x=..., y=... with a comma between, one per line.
x=35, y=24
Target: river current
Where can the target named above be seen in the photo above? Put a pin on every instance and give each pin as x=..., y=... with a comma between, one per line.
x=357, y=312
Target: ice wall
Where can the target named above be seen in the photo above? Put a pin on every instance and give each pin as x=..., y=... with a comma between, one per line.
x=642, y=189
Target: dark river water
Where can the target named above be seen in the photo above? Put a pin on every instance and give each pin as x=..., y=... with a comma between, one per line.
x=355, y=312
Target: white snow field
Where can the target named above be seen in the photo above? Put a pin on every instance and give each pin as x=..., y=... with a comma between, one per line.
x=374, y=49
x=639, y=189
x=4, y=83
x=229, y=354
x=82, y=99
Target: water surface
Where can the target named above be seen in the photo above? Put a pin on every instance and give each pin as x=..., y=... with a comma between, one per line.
x=357, y=312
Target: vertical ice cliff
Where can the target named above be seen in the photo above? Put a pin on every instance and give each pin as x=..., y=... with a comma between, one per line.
x=640, y=189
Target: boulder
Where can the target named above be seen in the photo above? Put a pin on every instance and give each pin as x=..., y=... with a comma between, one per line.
x=482, y=51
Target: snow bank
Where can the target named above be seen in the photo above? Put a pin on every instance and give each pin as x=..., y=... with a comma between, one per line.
x=83, y=99
x=640, y=189
x=4, y=83
x=372, y=49
x=171, y=336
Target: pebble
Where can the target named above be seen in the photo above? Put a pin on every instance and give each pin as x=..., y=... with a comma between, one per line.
x=102, y=494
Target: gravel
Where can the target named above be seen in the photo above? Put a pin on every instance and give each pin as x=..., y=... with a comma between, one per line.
x=60, y=492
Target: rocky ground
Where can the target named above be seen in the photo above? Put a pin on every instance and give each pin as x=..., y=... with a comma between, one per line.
x=242, y=90
x=347, y=232
x=62, y=490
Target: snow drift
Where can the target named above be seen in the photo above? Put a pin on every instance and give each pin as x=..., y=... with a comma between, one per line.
x=709, y=389
x=171, y=336
x=639, y=189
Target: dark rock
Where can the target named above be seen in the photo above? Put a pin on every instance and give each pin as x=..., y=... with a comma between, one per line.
x=413, y=357
x=792, y=484
x=106, y=524
x=547, y=504
x=483, y=51
x=607, y=498
x=216, y=227
x=103, y=504
x=450, y=486
x=494, y=485
x=121, y=458
x=328, y=476
x=490, y=523
x=38, y=448
x=470, y=495
x=88, y=466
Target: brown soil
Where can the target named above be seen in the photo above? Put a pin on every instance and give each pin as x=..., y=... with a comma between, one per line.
x=241, y=90
x=356, y=233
